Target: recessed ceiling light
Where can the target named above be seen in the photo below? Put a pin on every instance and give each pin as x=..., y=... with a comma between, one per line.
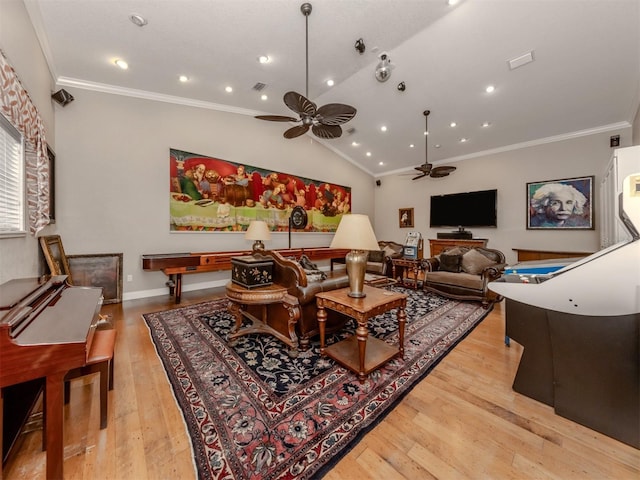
x=228, y=89
x=368, y=154
x=183, y=78
x=264, y=59
x=437, y=145
x=138, y=20
x=490, y=89
x=452, y=2
x=330, y=83
x=453, y=124
x=463, y=140
x=486, y=124
x=122, y=64
x=355, y=144
x=411, y=146
x=383, y=128
x=425, y=133
x=380, y=163
x=264, y=97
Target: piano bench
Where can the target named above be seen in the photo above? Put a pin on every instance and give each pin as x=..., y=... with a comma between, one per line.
x=99, y=360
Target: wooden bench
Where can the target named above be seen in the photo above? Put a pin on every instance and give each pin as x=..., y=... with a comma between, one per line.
x=100, y=360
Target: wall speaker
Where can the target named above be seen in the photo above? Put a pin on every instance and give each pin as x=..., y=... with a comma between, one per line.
x=378, y=182
x=62, y=97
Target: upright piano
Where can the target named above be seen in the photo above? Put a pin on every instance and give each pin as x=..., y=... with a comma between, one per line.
x=46, y=329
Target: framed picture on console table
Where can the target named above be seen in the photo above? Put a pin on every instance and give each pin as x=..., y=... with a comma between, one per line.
x=99, y=270
x=565, y=204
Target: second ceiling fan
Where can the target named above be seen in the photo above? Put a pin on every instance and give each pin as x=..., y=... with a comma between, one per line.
x=324, y=121
x=427, y=169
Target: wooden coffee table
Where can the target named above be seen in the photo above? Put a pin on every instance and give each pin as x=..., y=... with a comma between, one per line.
x=359, y=353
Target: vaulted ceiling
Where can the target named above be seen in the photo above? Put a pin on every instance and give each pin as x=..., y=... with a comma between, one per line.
x=584, y=77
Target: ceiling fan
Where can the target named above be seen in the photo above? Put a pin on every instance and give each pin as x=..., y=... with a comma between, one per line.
x=324, y=121
x=427, y=169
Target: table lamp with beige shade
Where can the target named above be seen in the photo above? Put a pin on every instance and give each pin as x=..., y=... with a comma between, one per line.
x=355, y=232
x=258, y=231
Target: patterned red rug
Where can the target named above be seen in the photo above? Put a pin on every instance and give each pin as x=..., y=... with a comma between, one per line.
x=253, y=412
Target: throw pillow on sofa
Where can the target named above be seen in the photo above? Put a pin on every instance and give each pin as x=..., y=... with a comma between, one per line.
x=450, y=262
x=474, y=262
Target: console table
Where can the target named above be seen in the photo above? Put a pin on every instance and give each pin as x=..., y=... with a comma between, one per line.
x=174, y=265
x=525, y=255
x=437, y=245
x=264, y=297
x=359, y=353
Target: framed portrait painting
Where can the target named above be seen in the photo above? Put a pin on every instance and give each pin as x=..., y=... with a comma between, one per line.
x=405, y=217
x=565, y=204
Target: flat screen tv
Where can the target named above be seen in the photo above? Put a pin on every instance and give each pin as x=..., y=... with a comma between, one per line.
x=468, y=209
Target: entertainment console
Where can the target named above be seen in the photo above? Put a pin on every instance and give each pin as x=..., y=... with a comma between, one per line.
x=436, y=246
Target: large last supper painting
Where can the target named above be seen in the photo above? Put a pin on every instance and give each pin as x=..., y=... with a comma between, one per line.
x=211, y=194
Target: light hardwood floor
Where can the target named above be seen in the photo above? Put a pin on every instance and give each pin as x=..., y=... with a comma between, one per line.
x=462, y=421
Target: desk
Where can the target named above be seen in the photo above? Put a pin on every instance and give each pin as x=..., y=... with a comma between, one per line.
x=404, y=265
x=174, y=265
x=359, y=353
x=241, y=299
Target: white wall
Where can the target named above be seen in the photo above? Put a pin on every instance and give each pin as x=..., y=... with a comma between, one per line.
x=112, y=175
x=18, y=41
x=113, y=178
x=509, y=172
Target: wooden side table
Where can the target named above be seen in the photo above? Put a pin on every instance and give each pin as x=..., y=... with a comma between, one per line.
x=359, y=353
x=241, y=297
x=402, y=266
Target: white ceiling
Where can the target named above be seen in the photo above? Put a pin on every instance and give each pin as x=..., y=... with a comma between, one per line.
x=585, y=76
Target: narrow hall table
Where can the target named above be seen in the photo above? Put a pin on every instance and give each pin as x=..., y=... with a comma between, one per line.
x=360, y=353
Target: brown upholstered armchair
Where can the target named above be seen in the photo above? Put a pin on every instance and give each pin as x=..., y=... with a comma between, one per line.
x=464, y=273
x=288, y=273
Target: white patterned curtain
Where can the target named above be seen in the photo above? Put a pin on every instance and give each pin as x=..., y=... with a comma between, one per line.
x=17, y=107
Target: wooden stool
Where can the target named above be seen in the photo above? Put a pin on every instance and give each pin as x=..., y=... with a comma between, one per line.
x=100, y=360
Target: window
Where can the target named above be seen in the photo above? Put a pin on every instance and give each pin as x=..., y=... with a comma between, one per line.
x=12, y=206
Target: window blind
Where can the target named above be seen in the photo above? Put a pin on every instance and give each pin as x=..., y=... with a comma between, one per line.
x=12, y=210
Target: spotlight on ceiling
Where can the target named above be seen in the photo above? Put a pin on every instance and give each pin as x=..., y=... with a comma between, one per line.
x=383, y=69
x=360, y=46
x=62, y=97
x=402, y=87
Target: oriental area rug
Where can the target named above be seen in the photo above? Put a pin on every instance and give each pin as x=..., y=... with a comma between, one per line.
x=254, y=412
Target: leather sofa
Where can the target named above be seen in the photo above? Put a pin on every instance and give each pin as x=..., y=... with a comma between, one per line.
x=463, y=273
x=303, y=285
x=379, y=261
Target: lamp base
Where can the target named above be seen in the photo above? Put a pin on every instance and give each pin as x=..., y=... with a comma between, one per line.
x=356, y=261
x=258, y=246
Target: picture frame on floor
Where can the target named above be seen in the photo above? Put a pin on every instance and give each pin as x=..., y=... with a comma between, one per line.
x=99, y=270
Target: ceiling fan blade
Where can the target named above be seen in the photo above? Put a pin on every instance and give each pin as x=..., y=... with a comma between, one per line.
x=327, y=131
x=438, y=172
x=276, y=118
x=420, y=176
x=300, y=104
x=424, y=168
x=335, y=114
x=296, y=131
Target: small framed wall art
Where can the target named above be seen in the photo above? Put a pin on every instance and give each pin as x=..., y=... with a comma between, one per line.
x=405, y=217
